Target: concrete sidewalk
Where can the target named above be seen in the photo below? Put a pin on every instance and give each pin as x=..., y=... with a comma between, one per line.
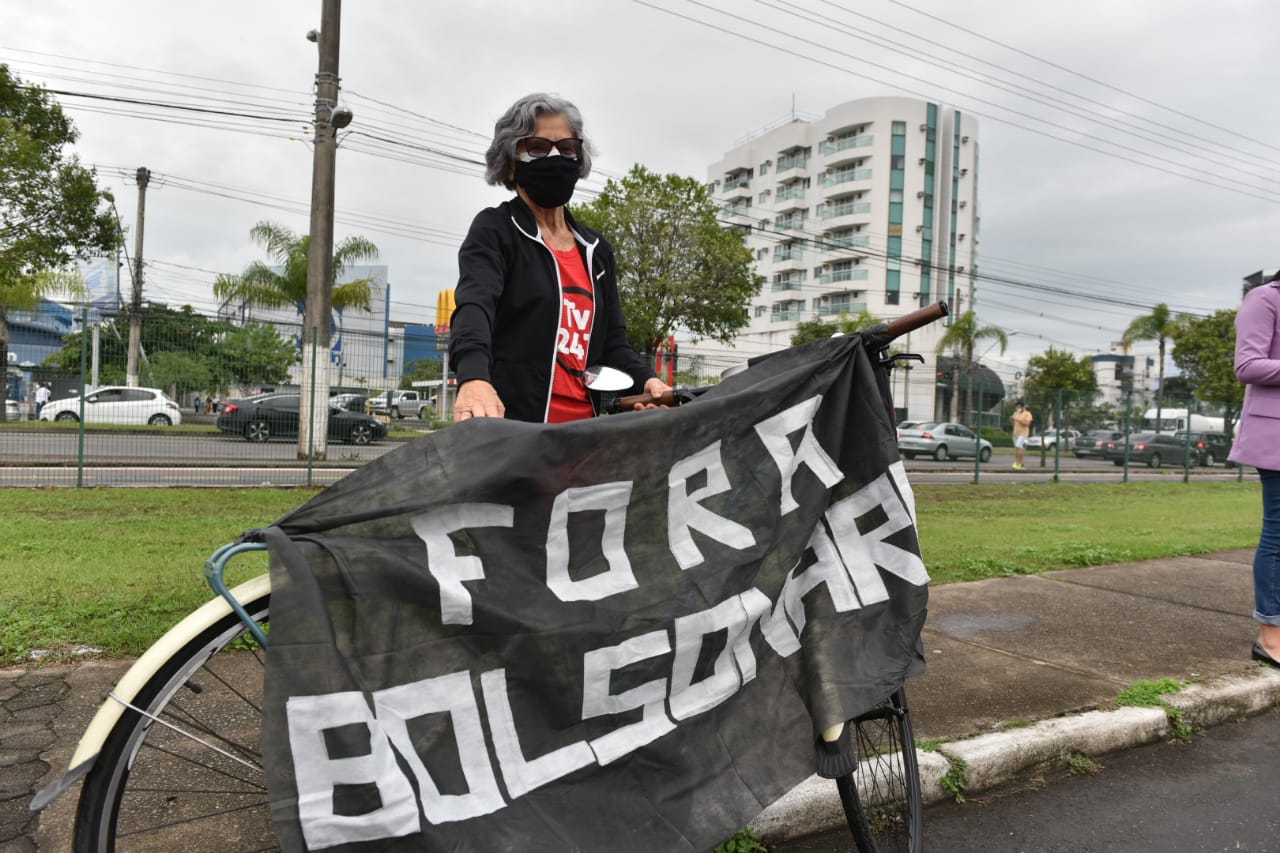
x=1023, y=672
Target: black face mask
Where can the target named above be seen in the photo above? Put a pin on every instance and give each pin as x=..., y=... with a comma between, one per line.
x=549, y=181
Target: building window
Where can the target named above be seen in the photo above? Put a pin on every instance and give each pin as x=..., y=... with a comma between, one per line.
x=764, y=169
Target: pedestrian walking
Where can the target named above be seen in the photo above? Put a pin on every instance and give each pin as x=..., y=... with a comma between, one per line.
x=196, y=403
x=42, y=396
x=1022, y=419
x=1257, y=443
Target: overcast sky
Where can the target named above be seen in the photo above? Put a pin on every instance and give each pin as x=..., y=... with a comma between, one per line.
x=1186, y=87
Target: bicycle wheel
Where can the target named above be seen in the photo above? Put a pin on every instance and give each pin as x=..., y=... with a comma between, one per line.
x=882, y=797
x=191, y=778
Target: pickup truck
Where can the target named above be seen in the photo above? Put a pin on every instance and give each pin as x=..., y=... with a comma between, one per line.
x=403, y=404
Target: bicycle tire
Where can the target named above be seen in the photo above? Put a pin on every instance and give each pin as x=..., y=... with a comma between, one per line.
x=154, y=789
x=881, y=799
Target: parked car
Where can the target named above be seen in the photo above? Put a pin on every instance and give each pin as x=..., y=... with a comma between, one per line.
x=909, y=424
x=1095, y=441
x=1152, y=449
x=1050, y=437
x=12, y=411
x=265, y=417
x=116, y=405
x=1209, y=448
x=403, y=404
x=942, y=441
x=350, y=402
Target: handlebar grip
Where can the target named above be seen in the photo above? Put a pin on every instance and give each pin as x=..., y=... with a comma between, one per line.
x=916, y=319
x=666, y=398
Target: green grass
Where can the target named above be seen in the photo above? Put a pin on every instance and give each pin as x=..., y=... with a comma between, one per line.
x=115, y=568
x=971, y=533
x=1150, y=694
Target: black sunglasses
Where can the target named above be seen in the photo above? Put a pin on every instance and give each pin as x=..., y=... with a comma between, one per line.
x=537, y=147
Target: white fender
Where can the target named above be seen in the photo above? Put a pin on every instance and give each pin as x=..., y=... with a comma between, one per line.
x=139, y=674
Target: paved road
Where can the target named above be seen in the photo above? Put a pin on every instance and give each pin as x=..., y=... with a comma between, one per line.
x=47, y=458
x=1220, y=792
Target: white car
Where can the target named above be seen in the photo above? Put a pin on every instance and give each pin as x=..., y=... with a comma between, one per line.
x=116, y=405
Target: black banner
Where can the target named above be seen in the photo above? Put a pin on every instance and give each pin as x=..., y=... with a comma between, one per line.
x=619, y=634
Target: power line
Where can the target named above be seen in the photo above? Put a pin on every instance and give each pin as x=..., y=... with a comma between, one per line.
x=1085, y=76
x=899, y=87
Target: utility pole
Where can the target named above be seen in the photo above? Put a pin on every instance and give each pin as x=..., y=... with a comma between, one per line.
x=135, y=305
x=314, y=409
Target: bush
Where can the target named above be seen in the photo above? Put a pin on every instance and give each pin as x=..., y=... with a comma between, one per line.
x=997, y=437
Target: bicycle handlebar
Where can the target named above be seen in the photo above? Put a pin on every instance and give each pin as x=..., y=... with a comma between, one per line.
x=880, y=335
x=884, y=333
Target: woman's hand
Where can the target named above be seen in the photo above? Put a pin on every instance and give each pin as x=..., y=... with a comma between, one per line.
x=655, y=388
x=477, y=399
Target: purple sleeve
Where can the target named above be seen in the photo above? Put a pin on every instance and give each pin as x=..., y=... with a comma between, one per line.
x=1256, y=329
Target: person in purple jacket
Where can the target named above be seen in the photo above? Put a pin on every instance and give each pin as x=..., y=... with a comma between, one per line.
x=1257, y=443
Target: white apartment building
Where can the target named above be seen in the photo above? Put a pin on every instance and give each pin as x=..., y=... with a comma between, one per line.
x=871, y=207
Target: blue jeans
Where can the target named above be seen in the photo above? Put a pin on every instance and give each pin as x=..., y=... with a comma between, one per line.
x=1266, y=561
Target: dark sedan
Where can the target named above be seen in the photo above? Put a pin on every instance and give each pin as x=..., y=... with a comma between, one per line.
x=1209, y=448
x=270, y=415
x=1095, y=441
x=1151, y=449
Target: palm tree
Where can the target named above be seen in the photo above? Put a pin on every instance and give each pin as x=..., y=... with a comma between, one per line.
x=24, y=293
x=962, y=337
x=1159, y=326
x=284, y=283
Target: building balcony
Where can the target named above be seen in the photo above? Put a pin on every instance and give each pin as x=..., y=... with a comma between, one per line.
x=835, y=146
x=846, y=176
x=790, y=253
x=789, y=284
x=740, y=183
x=789, y=192
x=786, y=316
x=788, y=224
x=847, y=241
x=792, y=162
x=835, y=309
x=735, y=210
x=842, y=275
x=831, y=211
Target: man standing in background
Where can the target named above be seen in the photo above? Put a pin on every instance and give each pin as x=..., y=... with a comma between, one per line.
x=41, y=397
x=1021, y=429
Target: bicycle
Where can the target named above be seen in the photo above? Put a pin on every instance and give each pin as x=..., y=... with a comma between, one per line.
x=173, y=759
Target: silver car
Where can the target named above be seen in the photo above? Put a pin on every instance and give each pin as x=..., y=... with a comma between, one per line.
x=942, y=441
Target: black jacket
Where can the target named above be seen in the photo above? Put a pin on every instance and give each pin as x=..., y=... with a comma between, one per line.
x=507, y=310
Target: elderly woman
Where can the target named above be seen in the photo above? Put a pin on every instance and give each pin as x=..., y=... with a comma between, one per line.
x=537, y=297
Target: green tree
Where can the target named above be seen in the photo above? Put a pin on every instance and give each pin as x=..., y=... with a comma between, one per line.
x=1058, y=369
x=422, y=370
x=174, y=341
x=177, y=372
x=252, y=355
x=678, y=267
x=1159, y=326
x=818, y=329
x=962, y=338
x=51, y=209
x=284, y=281
x=1205, y=351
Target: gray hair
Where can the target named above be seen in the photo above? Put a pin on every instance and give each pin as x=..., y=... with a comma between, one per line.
x=519, y=121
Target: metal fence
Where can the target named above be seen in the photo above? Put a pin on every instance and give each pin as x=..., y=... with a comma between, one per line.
x=1128, y=430
x=218, y=402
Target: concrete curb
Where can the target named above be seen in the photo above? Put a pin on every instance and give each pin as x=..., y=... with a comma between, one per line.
x=995, y=759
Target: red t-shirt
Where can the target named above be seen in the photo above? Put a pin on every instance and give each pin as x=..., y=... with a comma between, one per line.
x=569, y=399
